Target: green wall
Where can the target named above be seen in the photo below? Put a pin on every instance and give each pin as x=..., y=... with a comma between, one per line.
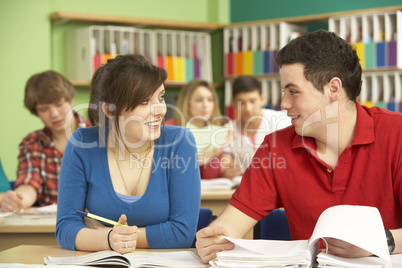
x=242, y=10
x=31, y=44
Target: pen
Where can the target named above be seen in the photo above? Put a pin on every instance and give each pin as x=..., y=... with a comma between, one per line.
x=99, y=218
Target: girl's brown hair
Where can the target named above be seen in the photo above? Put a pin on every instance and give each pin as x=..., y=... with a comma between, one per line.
x=123, y=83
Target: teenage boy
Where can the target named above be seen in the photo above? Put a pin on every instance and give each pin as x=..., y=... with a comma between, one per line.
x=48, y=95
x=252, y=125
x=337, y=152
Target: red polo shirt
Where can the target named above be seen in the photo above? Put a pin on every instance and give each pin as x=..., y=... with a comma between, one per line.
x=286, y=172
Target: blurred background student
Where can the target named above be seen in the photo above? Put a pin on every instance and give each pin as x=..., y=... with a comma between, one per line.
x=129, y=168
x=253, y=122
x=48, y=95
x=198, y=109
x=4, y=183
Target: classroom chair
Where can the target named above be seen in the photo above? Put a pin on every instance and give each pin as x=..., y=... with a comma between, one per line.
x=274, y=226
x=204, y=219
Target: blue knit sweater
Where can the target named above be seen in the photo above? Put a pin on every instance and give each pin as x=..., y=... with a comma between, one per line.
x=169, y=207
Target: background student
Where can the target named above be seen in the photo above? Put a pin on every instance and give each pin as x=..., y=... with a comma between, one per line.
x=4, y=183
x=48, y=95
x=336, y=152
x=253, y=122
x=198, y=109
x=132, y=168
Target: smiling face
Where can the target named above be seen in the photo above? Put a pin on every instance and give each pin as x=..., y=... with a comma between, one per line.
x=143, y=124
x=302, y=101
x=53, y=114
x=201, y=103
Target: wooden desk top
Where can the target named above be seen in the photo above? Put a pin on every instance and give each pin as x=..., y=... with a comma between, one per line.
x=34, y=254
x=217, y=195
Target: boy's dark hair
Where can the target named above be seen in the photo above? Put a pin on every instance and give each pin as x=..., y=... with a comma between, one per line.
x=45, y=88
x=245, y=84
x=324, y=56
x=124, y=82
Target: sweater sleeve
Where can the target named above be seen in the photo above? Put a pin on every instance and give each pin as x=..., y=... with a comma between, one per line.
x=71, y=195
x=184, y=197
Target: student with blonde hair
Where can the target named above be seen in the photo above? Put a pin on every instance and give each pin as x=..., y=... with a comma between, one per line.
x=198, y=109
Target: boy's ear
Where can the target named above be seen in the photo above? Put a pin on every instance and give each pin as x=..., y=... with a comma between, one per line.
x=334, y=88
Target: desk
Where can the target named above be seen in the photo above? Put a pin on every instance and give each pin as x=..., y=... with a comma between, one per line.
x=31, y=234
x=43, y=234
x=34, y=254
x=216, y=200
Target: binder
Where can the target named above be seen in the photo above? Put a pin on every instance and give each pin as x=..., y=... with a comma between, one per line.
x=398, y=91
x=370, y=55
x=181, y=57
x=380, y=57
x=84, y=52
x=275, y=68
x=265, y=47
x=256, y=46
x=145, y=44
x=196, y=61
x=161, y=44
x=257, y=62
x=389, y=91
x=189, y=59
x=171, y=56
x=238, y=52
x=247, y=51
x=265, y=86
x=228, y=51
x=391, y=50
x=359, y=46
x=267, y=61
x=367, y=38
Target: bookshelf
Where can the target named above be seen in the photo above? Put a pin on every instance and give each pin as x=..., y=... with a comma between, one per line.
x=69, y=17
x=181, y=47
x=250, y=49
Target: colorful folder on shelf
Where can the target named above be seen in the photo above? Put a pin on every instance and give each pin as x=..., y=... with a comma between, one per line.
x=380, y=56
x=359, y=46
x=267, y=63
x=275, y=68
x=239, y=63
x=248, y=62
x=370, y=55
x=229, y=63
x=189, y=69
x=391, y=51
x=257, y=62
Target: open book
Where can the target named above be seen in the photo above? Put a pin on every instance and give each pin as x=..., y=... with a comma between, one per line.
x=348, y=223
x=220, y=183
x=132, y=259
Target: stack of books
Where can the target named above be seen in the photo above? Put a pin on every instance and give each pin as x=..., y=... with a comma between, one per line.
x=348, y=223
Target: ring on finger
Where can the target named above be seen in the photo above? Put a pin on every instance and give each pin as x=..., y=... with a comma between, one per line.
x=126, y=245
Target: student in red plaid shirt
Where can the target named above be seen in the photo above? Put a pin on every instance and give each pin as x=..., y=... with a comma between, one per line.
x=48, y=95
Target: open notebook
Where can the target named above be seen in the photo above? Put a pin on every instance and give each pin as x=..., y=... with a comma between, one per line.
x=134, y=259
x=344, y=222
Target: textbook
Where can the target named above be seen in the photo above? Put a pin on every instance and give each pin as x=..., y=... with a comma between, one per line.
x=344, y=222
x=220, y=183
x=133, y=259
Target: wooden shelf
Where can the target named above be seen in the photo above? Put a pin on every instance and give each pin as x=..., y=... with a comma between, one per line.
x=316, y=17
x=277, y=75
x=64, y=17
x=167, y=84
